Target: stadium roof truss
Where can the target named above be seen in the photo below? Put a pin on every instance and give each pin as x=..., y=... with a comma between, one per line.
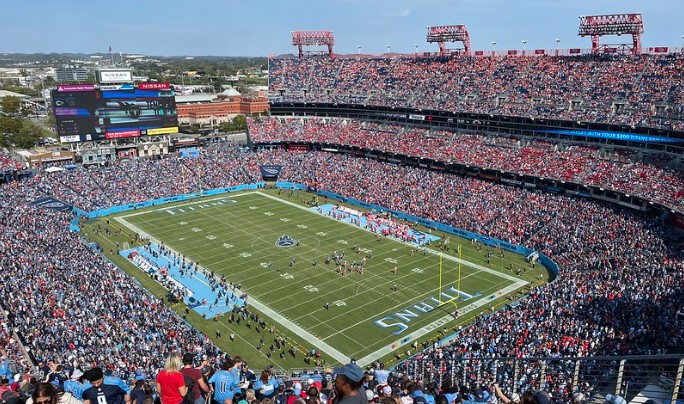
x=313, y=38
x=449, y=33
x=597, y=26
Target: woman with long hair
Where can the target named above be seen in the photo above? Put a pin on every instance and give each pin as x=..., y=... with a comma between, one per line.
x=47, y=393
x=170, y=381
x=266, y=386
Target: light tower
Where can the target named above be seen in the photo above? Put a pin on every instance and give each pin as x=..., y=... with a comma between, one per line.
x=449, y=33
x=307, y=38
x=597, y=26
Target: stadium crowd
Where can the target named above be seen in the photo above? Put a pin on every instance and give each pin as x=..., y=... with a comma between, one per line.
x=618, y=292
x=619, y=170
x=644, y=90
x=7, y=163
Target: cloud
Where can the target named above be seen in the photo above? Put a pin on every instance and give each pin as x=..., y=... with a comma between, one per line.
x=402, y=12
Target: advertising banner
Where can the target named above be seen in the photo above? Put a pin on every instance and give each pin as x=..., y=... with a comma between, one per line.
x=270, y=170
x=122, y=134
x=154, y=86
x=161, y=131
x=75, y=87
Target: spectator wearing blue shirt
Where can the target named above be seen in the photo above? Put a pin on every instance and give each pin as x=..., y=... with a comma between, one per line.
x=266, y=386
x=224, y=382
x=72, y=385
x=4, y=368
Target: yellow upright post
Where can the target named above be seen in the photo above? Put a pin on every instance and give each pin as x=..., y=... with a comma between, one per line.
x=440, y=278
x=459, y=270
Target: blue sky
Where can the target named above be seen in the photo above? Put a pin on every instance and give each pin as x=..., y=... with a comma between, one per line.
x=260, y=28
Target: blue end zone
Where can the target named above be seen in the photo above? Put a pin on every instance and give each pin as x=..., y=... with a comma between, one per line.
x=414, y=237
x=199, y=294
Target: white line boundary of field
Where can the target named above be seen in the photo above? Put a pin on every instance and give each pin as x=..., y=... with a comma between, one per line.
x=312, y=339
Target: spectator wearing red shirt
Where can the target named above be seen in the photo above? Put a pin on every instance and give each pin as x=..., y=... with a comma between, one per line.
x=170, y=381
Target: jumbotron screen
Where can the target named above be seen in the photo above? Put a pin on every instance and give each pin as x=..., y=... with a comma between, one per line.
x=85, y=113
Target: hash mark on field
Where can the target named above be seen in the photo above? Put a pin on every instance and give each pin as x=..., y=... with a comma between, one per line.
x=211, y=237
x=183, y=223
x=269, y=213
x=417, y=270
x=253, y=207
x=392, y=260
x=322, y=234
x=196, y=229
x=181, y=239
x=284, y=219
x=227, y=245
x=302, y=226
x=342, y=242
x=245, y=255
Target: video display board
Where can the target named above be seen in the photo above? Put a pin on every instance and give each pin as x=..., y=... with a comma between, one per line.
x=85, y=113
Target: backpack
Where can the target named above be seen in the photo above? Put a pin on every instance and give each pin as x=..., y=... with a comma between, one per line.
x=189, y=397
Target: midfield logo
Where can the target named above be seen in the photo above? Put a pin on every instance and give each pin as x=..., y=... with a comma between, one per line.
x=285, y=241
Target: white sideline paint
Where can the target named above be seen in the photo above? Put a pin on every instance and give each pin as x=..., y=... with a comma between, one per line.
x=317, y=342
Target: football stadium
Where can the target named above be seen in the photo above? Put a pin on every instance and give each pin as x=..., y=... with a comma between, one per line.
x=437, y=227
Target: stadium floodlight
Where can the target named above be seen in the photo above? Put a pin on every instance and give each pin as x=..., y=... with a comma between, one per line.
x=416, y=45
x=596, y=26
x=309, y=38
x=524, y=42
x=494, y=45
x=449, y=33
x=358, y=47
x=389, y=48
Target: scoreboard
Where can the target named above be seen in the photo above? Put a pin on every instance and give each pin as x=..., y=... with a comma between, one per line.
x=85, y=112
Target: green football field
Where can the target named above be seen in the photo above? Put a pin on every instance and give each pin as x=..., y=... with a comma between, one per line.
x=368, y=316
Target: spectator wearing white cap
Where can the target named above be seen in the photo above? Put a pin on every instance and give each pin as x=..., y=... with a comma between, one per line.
x=73, y=385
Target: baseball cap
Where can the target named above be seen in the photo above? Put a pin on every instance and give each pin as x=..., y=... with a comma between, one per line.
x=542, y=397
x=419, y=400
x=76, y=374
x=615, y=399
x=387, y=390
x=351, y=371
